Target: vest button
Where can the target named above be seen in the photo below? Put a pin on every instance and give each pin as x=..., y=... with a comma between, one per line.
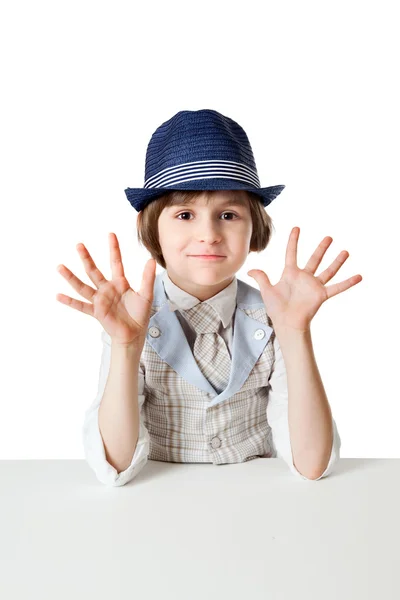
x=216, y=442
x=154, y=332
x=259, y=334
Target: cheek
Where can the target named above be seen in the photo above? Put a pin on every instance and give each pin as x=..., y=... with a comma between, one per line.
x=243, y=234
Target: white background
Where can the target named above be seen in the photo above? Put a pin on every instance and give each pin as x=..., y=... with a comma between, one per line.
x=84, y=86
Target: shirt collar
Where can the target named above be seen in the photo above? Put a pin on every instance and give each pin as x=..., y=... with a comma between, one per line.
x=224, y=302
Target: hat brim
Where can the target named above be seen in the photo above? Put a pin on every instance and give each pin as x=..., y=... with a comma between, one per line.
x=140, y=197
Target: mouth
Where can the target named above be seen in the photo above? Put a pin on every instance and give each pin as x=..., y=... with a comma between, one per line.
x=207, y=256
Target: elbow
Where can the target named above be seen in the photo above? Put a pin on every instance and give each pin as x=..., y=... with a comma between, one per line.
x=312, y=475
x=315, y=476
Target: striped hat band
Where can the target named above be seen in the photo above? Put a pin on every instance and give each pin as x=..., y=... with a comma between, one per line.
x=203, y=169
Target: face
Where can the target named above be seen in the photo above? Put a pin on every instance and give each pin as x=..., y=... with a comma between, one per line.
x=220, y=227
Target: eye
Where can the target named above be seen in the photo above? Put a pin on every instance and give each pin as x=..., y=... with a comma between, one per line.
x=224, y=213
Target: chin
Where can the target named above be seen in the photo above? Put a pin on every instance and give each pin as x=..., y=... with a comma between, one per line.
x=209, y=276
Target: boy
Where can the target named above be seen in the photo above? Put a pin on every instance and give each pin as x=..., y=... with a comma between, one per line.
x=198, y=366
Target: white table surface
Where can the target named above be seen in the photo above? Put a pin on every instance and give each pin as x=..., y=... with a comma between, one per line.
x=200, y=531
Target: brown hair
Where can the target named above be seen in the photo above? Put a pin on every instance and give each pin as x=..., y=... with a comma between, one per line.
x=147, y=222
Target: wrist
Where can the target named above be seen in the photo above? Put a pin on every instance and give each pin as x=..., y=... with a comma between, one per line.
x=291, y=337
x=287, y=329
x=131, y=347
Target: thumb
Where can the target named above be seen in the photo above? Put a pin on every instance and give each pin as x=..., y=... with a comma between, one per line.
x=260, y=277
x=148, y=277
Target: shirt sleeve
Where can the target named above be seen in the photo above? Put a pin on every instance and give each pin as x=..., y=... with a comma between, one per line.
x=93, y=442
x=278, y=419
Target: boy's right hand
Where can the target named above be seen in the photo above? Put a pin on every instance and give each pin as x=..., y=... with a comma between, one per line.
x=123, y=313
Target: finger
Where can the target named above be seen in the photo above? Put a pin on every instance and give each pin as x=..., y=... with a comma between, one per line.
x=84, y=290
x=337, y=288
x=334, y=267
x=77, y=304
x=149, y=273
x=291, y=250
x=117, y=268
x=318, y=255
x=91, y=269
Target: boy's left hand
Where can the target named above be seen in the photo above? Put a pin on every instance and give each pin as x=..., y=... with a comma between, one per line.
x=295, y=299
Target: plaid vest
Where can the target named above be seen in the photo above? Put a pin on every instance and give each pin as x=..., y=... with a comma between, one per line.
x=187, y=420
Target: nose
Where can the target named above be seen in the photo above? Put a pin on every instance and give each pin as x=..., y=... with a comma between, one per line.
x=208, y=230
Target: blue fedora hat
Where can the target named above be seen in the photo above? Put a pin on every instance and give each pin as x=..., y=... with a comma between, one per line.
x=199, y=150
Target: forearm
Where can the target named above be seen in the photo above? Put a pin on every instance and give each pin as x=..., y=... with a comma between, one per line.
x=119, y=408
x=310, y=416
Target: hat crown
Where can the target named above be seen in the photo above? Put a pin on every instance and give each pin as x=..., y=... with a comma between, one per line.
x=197, y=144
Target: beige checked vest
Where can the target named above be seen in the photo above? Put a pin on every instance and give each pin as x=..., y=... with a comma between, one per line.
x=187, y=419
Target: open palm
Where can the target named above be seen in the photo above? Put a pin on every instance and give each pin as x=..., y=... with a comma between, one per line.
x=122, y=312
x=295, y=299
